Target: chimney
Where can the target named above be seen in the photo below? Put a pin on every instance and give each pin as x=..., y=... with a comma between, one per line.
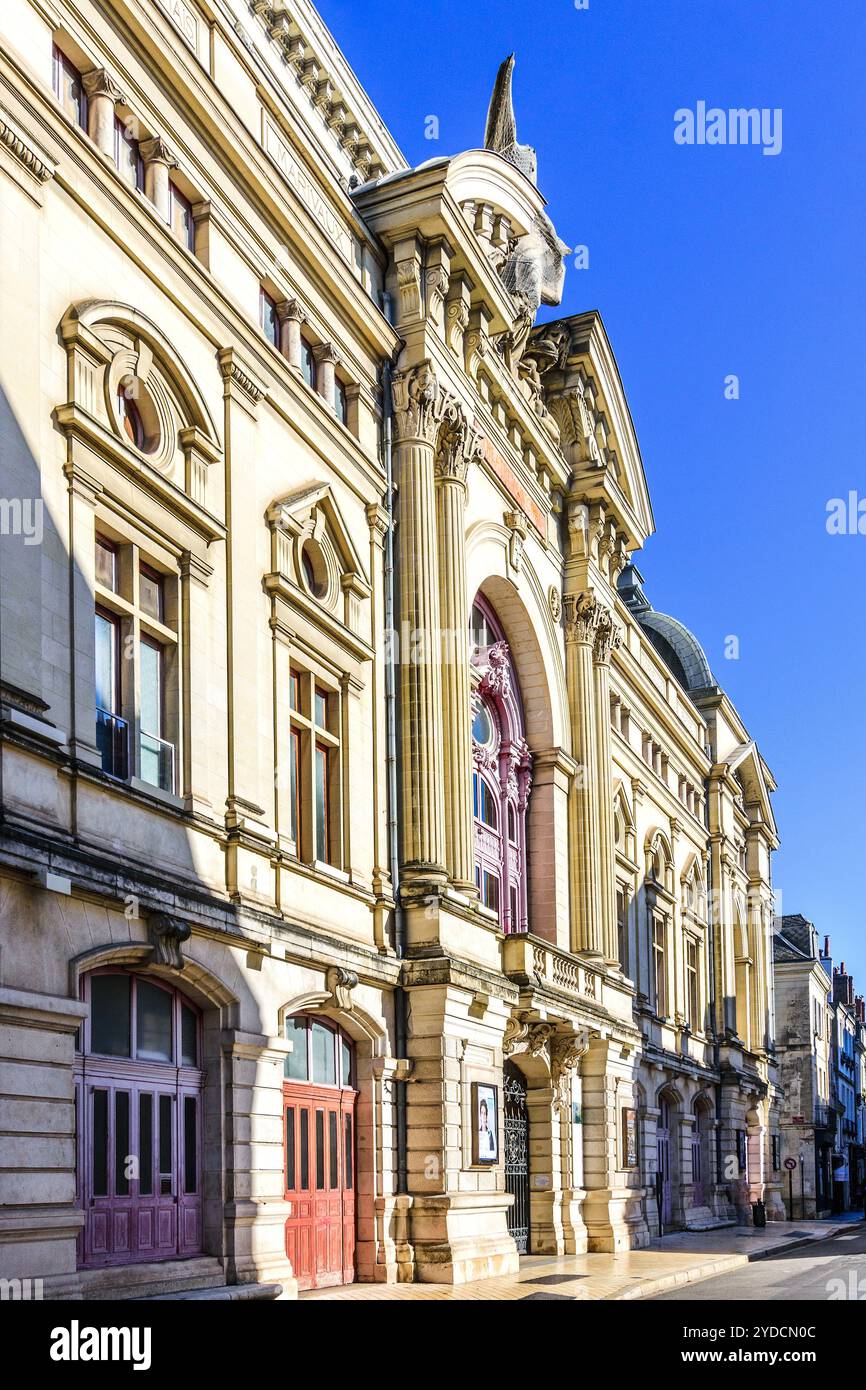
x=827, y=946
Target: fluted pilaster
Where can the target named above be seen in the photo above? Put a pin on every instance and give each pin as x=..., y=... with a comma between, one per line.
x=418, y=406
x=457, y=445
x=607, y=638
x=582, y=613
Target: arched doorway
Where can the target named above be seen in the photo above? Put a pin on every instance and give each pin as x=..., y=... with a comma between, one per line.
x=516, y=1116
x=138, y=1084
x=668, y=1165
x=701, y=1157
x=319, y=1095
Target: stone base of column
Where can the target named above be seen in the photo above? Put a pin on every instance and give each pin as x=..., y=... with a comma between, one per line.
x=258, y=1241
x=462, y=1237
x=384, y=1253
x=774, y=1203
x=556, y=1225
x=614, y=1222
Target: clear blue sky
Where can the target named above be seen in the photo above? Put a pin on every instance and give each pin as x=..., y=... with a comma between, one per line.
x=706, y=261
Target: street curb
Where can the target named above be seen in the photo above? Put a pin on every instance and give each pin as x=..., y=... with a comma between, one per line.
x=720, y=1265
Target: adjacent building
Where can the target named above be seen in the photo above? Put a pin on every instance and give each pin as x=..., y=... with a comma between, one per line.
x=820, y=1035
x=385, y=885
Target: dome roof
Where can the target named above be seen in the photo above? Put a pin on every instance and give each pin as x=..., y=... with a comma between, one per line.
x=680, y=650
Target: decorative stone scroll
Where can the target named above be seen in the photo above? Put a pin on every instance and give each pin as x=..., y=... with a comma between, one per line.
x=167, y=935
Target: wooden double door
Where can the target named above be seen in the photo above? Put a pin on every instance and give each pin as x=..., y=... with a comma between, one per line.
x=319, y=1135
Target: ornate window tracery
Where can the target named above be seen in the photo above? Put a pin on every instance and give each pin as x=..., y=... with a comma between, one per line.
x=501, y=774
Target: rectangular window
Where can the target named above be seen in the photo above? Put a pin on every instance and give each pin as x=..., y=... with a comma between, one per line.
x=349, y=1154
x=127, y=155
x=621, y=923
x=308, y=364
x=776, y=1161
x=188, y=1037
x=692, y=995
x=305, y=1151
x=110, y=1034
x=156, y=755
x=145, y=1144
x=107, y=647
x=322, y=809
x=334, y=1169
x=294, y=783
x=100, y=1143
x=69, y=88
x=121, y=1144
x=166, y=1145
x=290, y=1148
x=180, y=216
x=150, y=593
x=190, y=1144
x=659, y=973
x=321, y=708
x=341, y=406
x=268, y=318
x=320, y=1150
x=106, y=564
x=490, y=892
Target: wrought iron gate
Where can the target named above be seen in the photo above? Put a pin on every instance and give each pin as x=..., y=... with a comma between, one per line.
x=517, y=1155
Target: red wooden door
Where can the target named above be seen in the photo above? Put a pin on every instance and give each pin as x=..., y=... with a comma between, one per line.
x=319, y=1135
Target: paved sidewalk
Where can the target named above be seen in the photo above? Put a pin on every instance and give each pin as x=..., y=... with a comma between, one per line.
x=681, y=1258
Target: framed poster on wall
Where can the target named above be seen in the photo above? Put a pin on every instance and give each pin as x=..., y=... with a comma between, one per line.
x=629, y=1137
x=485, y=1123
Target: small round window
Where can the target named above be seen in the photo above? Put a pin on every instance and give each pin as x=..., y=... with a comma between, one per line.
x=137, y=416
x=315, y=573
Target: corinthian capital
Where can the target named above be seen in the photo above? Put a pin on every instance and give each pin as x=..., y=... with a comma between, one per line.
x=582, y=615
x=608, y=638
x=419, y=403
x=459, y=442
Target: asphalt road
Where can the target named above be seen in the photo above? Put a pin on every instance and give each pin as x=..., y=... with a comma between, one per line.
x=825, y=1271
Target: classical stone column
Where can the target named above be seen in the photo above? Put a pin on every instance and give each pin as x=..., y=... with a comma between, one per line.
x=158, y=161
x=582, y=614
x=607, y=638
x=458, y=444
x=326, y=361
x=102, y=95
x=291, y=315
x=419, y=402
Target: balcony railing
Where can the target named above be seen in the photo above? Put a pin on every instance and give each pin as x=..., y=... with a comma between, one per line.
x=112, y=740
x=528, y=959
x=157, y=762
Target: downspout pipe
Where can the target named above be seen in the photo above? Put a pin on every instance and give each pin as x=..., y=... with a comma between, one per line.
x=400, y=1003
x=711, y=938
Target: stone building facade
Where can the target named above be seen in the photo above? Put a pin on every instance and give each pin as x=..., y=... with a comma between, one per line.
x=384, y=885
x=820, y=1047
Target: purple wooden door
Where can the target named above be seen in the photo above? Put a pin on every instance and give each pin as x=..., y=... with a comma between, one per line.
x=141, y=1179
x=663, y=1135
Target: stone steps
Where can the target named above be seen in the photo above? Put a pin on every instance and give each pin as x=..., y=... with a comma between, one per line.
x=229, y=1293
x=160, y=1279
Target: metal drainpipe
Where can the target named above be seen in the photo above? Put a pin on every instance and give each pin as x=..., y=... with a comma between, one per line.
x=391, y=758
x=711, y=935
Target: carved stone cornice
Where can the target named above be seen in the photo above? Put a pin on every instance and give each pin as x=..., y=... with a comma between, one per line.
x=13, y=141
x=233, y=372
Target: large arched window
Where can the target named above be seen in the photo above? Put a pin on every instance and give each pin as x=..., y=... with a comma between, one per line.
x=138, y=1086
x=501, y=774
